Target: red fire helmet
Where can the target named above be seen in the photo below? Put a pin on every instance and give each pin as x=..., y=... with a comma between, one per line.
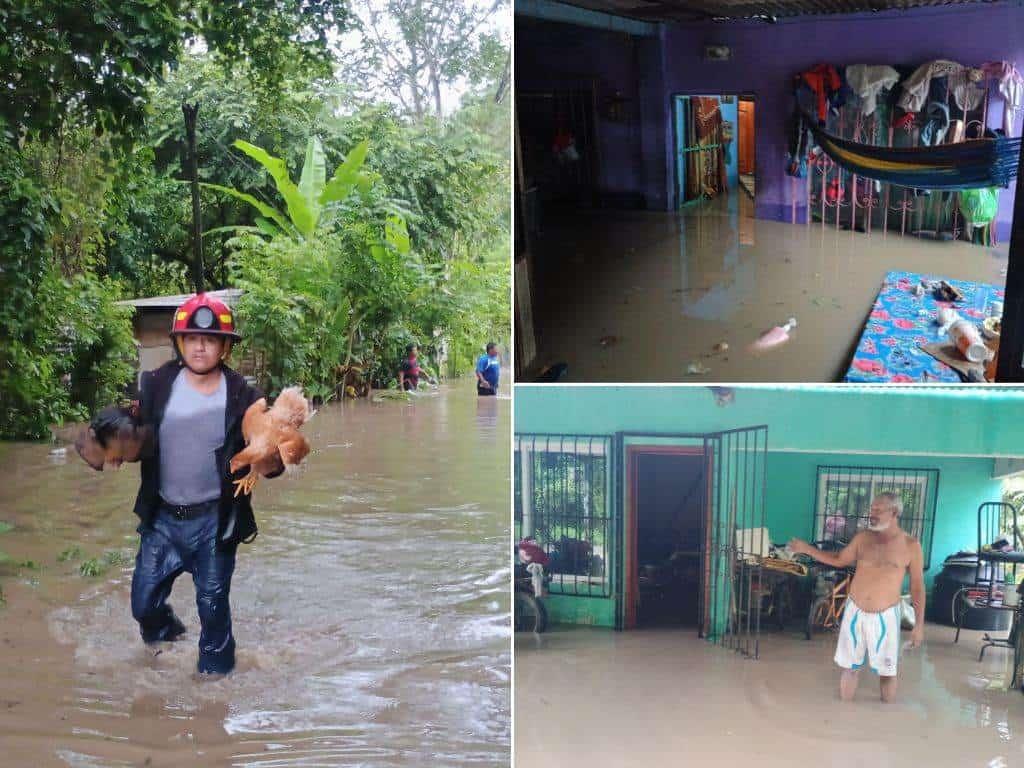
x=204, y=314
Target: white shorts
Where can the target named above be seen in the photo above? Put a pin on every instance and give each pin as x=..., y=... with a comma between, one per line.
x=872, y=638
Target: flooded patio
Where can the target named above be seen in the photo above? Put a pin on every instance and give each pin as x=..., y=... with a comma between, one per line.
x=371, y=613
x=598, y=698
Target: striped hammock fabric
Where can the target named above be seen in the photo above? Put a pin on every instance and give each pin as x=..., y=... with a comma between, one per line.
x=966, y=165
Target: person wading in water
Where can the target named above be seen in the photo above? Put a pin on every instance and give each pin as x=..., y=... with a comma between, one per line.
x=870, y=632
x=190, y=519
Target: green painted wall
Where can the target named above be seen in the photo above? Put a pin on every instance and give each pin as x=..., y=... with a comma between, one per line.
x=949, y=420
x=811, y=425
x=593, y=611
x=963, y=485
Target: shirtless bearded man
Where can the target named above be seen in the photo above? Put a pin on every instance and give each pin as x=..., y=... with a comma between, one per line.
x=870, y=631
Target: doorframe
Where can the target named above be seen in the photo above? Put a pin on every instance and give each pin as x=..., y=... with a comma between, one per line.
x=631, y=593
x=674, y=149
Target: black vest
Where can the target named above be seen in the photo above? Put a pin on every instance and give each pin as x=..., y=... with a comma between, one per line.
x=237, y=523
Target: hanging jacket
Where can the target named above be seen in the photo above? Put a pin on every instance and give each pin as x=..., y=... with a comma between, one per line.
x=236, y=520
x=868, y=80
x=963, y=83
x=933, y=132
x=824, y=82
x=799, y=142
x=1011, y=87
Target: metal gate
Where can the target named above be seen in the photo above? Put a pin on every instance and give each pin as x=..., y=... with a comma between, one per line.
x=736, y=538
x=734, y=533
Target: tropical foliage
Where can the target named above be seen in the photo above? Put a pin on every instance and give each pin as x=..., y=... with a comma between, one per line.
x=354, y=227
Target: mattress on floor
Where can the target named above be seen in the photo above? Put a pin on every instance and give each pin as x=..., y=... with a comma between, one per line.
x=889, y=348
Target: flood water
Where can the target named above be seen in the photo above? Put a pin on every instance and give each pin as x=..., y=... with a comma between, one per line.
x=665, y=698
x=640, y=296
x=371, y=614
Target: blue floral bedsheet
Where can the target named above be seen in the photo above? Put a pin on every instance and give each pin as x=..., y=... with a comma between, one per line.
x=888, y=350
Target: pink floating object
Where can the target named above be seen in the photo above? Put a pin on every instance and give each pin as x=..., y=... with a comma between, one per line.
x=773, y=337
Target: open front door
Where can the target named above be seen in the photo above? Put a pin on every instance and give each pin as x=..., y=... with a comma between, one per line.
x=735, y=538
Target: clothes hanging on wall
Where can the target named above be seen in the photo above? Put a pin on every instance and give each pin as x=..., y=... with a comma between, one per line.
x=825, y=83
x=800, y=138
x=933, y=132
x=968, y=88
x=868, y=80
x=1011, y=87
x=963, y=83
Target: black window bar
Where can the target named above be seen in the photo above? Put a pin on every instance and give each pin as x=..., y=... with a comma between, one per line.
x=843, y=501
x=738, y=538
x=562, y=500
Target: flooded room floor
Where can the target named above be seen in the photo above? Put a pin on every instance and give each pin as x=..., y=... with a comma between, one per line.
x=664, y=698
x=670, y=286
x=371, y=613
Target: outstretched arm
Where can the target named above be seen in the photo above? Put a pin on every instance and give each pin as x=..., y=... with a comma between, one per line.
x=842, y=559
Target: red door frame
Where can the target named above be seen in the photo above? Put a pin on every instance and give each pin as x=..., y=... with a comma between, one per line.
x=632, y=594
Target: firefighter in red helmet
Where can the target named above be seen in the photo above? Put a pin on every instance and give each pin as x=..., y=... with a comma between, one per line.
x=189, y=517
x=203, y=315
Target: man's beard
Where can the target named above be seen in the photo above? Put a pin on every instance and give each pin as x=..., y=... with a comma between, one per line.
x=879, y=527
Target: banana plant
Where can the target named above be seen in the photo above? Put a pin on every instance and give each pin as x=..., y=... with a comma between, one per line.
x=306, y=201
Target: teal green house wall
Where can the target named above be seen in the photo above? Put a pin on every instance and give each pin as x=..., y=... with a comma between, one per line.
x=956, y=430
x=948, y=420
x=963, y=485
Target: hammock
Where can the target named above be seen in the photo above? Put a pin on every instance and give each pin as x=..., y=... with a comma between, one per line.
x=965, y=165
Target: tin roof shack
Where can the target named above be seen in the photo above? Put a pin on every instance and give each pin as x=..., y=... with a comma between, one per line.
x=152, y=322
x=653, y=502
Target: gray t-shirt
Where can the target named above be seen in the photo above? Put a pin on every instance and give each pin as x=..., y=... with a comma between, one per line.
x=191, y=430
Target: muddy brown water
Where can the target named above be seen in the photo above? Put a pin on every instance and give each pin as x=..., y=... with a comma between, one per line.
x=669, y=287
x=371, y=614
x=665, y=698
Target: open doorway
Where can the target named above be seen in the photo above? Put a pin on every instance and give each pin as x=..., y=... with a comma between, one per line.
x=745, y=143
x=714, y=146
x=670, y=502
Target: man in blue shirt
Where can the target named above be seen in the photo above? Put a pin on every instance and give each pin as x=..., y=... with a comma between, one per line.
x=488, y=369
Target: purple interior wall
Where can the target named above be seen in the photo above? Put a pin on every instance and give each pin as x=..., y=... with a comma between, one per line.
x=765, y=58
x=553, y=55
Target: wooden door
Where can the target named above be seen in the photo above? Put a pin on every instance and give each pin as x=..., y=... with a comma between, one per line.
x=745, y=140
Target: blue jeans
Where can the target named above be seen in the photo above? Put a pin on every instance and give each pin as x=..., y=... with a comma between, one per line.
x=168, y=548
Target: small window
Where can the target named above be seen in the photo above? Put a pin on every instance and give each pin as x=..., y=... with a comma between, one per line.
x=845, y=494
x=561, y=500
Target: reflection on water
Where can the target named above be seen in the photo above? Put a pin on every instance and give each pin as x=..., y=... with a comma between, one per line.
x=579, y=689
x=371, y=614
x=670, y=286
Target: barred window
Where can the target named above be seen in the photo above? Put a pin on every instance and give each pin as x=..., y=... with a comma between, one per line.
x=845, y=494
x=561, y=499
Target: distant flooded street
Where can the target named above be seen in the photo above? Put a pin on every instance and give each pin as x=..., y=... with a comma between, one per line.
x=371, y=613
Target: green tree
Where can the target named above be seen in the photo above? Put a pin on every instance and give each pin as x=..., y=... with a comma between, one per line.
x=90, y=62
x=412, y=50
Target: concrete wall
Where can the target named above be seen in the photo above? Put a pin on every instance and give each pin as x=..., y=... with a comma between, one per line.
x=944, y=421
x=551, y=55
x=953, y=429
x=765, y=57
x=616, y=65
x=963, y=485
x=730, y=113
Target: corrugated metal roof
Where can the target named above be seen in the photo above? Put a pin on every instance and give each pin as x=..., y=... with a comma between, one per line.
x=690, y=10
x=228, y=295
